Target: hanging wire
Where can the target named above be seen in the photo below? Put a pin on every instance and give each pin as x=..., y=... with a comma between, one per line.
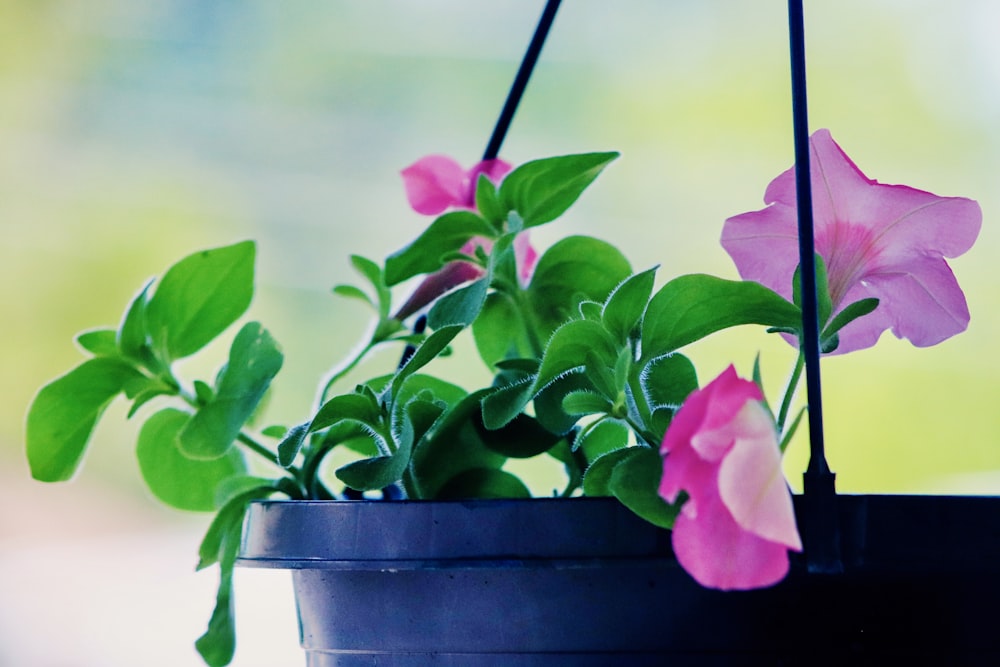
x=820, y=529
x=521, y=80
x=514, y=96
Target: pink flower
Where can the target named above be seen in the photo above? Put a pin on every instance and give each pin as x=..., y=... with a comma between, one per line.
x=877, y=240
x=437, y=183
x=736, y=527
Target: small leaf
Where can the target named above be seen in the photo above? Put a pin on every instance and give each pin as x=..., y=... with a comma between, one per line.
x=199, y=297
x=173, y=478
x=542, y=190
x=483, y=483
x=575, y=344
x=690, y=307
x=635, y=481
x=585, y=403
x=603, y=437
x=373, y=273
x=626, y=304
x=597, y=478
x=461, y=306
x=487, y=201
x=289, y=447
x=429, y=350
x=845, y=317
x=352, y=292
x=548, y=402
x=133, y=334
x=254, y=360
x=64, y=412
x=99, y=342
x=506, y=403
x=426, y=254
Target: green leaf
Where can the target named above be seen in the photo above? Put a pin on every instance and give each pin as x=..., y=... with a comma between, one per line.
x=175, y=479
x=254, y=360
x=488, y=202
x=665, y=382
x=597, y=478
x=99, y=342
x=506, y=403
x=626, y=304
x=603, y=437
x=571, y=345
x=542, y=190
x=548, y=402
x=199, y=297
x=452, y=446
x=499, y=331
x=221, y=545
x=845, y=317
x=290, y=445
x=374, y=473
x=373, y=273
x=573, y=270
x=133, y=334
x=635, y=481
x=691, y=307
x=64, y=412
x=360, y=408
x=521, y=437
x=483, y=483
x=585, y=403
x=352, y=292
x=429, y=350
x=445, y=235
x=460, y=307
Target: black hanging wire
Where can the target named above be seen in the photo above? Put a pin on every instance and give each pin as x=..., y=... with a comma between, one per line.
x=521, y=79
x=514, y=96
x=820, y=532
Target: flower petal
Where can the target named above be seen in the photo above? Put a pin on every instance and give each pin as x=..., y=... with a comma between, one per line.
x=434, y=184
x=718, y=553
x=751, y=483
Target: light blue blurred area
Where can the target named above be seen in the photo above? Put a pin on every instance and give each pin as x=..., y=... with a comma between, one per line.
x=132, y=134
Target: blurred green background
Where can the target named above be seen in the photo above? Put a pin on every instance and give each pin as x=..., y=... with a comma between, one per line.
x=134, y=133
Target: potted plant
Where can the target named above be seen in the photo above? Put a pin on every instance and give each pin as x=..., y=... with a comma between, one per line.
x=673, y=490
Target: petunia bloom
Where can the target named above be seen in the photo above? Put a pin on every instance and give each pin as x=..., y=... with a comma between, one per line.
x=437, y=183
x=737, y=525
x=877, y=240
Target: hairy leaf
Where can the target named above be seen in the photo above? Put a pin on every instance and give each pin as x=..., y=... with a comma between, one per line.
x=542, y=190
x=254, y=360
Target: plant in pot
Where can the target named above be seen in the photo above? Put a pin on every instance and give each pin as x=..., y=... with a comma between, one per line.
x=426, y=547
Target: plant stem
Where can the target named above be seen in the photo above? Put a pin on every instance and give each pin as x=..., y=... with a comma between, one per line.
x=337, y=375
x=257, y=448
x=793, y=383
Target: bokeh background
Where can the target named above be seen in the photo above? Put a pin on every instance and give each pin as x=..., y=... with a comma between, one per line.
x=133, y=133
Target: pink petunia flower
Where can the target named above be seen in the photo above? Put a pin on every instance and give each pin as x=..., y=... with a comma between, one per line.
x=735, y=529
x=877, y=240
x=437, y=183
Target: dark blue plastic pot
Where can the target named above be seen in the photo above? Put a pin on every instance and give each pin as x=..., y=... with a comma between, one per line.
x=584, y=582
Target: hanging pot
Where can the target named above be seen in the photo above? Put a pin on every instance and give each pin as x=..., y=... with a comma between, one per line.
x=584, y=582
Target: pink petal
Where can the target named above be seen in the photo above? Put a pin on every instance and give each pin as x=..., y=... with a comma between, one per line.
x=526, y=257
x=923, y=301
x=751, y=483
x=434, y=184
x=718, y=553
x=725, y=397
